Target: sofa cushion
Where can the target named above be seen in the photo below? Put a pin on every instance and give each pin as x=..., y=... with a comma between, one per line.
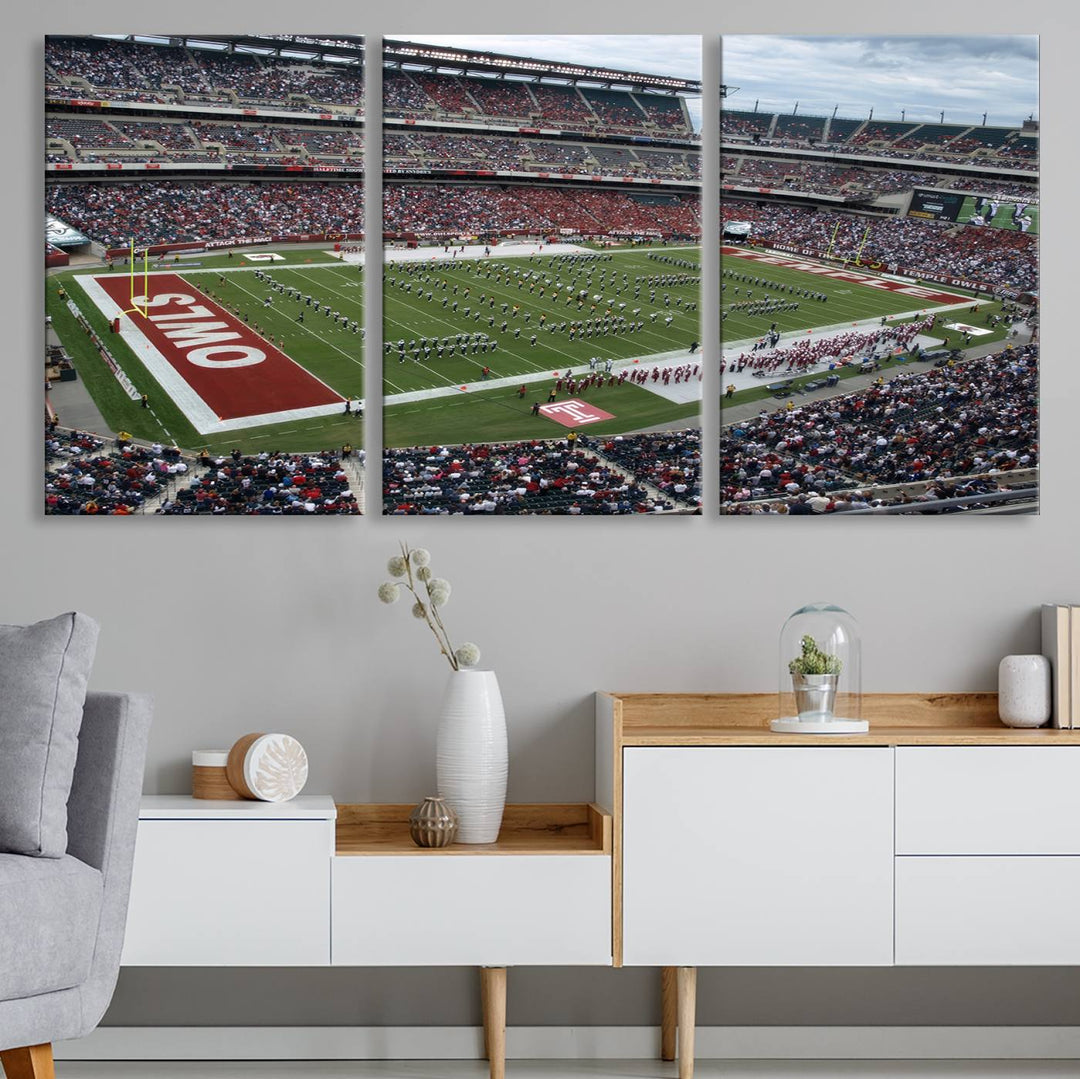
x=49, y=911
x=44, y=669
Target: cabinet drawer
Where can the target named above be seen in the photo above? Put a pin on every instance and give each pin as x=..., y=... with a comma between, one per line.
x=230, y=893
x=757, y=856
x=988, y=800
x=472, y=910
x=980, y=911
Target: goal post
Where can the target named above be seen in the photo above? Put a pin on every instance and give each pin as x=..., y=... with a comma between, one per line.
x=135, y=309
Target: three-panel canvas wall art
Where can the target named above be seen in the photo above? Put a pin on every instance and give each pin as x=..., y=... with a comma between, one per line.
x=546, y=346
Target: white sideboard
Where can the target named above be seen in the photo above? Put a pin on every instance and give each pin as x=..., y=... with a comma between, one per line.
x=940, y=838
x=242, y=883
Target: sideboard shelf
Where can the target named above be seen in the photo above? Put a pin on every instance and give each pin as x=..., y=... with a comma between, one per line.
x=576, y=828
x=742, y=719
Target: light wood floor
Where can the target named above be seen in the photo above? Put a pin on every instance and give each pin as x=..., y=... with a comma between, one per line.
x=570, y=1069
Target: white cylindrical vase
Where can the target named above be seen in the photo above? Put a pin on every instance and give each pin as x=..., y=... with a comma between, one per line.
x=1024, y=691
x=470, y=754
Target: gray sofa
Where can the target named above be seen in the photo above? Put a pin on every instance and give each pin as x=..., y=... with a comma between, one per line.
x=62, y=919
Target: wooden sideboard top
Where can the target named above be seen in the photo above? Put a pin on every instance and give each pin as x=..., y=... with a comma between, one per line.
x=575, y=828
x=716, y=719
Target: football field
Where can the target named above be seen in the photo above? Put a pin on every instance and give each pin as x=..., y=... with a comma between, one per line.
x=803, y=295
x=546, y=315
x=513, y=301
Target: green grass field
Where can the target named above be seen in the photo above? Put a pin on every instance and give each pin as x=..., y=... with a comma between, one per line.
x=847, y=301
x=410, y=316
x=500, y=413
x=327, y=349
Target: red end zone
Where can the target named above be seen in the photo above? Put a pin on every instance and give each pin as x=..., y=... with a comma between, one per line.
x=793, y=262
x=231, y=368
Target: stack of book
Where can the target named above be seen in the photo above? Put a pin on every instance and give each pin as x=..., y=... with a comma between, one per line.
x=1061, y=645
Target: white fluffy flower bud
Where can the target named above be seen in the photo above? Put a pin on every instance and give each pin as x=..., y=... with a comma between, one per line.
x=439, y=591
x=389, y=592
x=468, y=655
x=419, y=557
x=418, y=610
x=396, y=566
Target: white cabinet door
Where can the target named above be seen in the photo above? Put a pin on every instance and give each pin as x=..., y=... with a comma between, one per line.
x=758, y=856
x=988, y=800
x=472, y=910
x=241, y=893
x=987, y=911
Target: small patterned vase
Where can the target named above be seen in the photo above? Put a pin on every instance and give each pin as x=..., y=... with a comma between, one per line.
x=433, y=823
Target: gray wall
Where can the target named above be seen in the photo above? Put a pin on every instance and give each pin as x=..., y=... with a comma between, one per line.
x=239, y=625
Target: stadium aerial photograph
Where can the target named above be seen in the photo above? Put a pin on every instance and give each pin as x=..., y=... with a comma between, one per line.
x=204, y=294
x=541, y=275
x=880, y=275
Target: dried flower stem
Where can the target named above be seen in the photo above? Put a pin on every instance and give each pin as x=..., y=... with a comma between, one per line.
x=434, y=624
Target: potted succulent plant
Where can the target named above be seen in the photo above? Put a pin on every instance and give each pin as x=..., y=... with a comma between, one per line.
x=814, y=676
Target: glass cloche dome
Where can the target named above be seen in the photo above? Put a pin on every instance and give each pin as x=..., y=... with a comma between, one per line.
x=820, y=673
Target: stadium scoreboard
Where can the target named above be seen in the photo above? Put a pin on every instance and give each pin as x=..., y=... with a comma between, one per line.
x=935, y=205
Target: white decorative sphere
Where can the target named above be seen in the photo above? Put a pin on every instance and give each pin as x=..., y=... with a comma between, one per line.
x=275, y=767
x=1024, y=691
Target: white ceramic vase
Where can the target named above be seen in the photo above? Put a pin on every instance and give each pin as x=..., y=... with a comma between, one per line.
x=1024, y=691
x=470, y=754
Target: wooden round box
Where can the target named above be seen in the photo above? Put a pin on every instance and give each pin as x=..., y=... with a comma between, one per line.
x=208, y=775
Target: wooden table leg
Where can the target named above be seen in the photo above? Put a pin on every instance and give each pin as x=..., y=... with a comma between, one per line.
x=31, y=1062
x=687, y=982
x=484, y=1012
x=493, y=994
x=669, y=996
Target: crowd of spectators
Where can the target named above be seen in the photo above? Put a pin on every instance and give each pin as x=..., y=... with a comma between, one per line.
x=81, y=478
x=670, y=461
x=175, y=211
x=969, y=419
x=535, y=477
x=1026, y=193
x=471, y=151
x=812, y=177
x=199, y=141
x=947, y=143
x=124, y=70
x=270, y=484
x=467, y=210
x=418, y=94
x=995, y=257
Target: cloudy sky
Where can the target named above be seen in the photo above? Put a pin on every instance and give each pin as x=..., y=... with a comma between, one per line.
x=962, y=76
x=678, y=55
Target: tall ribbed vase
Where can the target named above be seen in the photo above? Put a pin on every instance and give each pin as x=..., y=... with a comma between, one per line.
x=470, y=754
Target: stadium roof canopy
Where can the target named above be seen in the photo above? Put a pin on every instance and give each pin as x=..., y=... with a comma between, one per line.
x=340, y=50
x=397, y=54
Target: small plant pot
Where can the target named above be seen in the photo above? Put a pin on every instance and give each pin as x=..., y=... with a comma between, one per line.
x=815, y=695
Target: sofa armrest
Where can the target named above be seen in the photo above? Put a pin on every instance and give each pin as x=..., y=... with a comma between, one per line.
x=103, y=815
